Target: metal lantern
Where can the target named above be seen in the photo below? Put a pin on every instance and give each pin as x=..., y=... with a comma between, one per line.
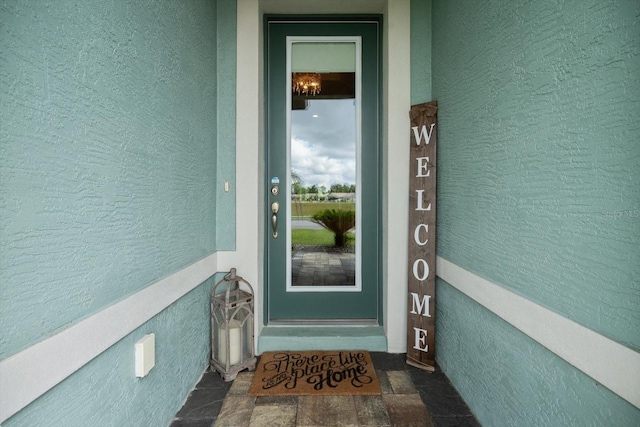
x=232, y=326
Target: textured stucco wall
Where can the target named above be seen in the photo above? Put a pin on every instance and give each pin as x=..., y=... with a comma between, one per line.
x=106, y=393
x=108, y=155
x=420, y=51
x=539, y=192
x=508, y=379
x=108, y=183
x=226, y=126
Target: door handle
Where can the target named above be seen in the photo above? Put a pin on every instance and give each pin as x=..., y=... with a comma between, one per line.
x=275, y=207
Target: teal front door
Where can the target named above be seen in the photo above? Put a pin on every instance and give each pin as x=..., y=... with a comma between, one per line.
x=322, y=192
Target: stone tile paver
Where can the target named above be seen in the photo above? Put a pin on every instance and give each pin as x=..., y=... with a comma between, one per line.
x=200, y=405
x=273, y=416
x=241, y=384
x=442, y=406
x=236, y=411
x=371, y=411
x=329, y=411
x=383, y=380
x=401, y=382
x=407, y=410
x=277, y=400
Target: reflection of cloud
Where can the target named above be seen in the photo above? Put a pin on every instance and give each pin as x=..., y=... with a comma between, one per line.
x=323, y=142
x=320, y=169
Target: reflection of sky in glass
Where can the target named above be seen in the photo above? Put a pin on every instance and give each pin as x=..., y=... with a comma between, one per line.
x=323, y=142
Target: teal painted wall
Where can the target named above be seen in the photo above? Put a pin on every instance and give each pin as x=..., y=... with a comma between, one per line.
x=105, y=392
x=108, y=155
x=539, y=192
x=420, y=51
x=508, y=379
x=540, y=183
x=116, y=133
x=226, y=125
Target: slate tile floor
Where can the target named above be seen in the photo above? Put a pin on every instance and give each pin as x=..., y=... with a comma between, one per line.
x=410, y=397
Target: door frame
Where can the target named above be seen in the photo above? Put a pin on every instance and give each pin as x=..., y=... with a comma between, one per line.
x=247, y=255
x=368, y=298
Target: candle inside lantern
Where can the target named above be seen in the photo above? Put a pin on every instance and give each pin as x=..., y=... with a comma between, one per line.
x=235, y=345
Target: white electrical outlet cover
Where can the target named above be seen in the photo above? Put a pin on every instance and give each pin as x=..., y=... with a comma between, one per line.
x=145, y=355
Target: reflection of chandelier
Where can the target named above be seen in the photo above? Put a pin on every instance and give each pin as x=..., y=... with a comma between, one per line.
x=306, y=83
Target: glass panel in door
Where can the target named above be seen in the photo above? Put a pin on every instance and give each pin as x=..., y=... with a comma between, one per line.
x=324, y=144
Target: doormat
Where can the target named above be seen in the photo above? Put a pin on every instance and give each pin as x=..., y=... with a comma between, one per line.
x=318, y=373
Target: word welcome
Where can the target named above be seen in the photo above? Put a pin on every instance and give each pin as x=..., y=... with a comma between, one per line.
x=421, y=267
x=421, y=242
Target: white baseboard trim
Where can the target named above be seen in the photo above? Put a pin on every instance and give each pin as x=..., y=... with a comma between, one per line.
x=610, y=363
x=32, y=372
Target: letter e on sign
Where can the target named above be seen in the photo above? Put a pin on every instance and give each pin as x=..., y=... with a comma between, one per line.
x=420, y=338
x=423, y=168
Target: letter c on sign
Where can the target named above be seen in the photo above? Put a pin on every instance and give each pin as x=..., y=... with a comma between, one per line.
x=425, y=268
x=416, y=234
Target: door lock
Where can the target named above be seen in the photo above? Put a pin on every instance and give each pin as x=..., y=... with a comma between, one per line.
x=275, y=190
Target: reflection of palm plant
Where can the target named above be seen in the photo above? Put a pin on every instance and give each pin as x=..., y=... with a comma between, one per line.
x=339, y=221
x=296, y=181
x=296, y=188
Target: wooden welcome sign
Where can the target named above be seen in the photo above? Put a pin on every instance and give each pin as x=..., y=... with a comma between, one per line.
x=422, y=237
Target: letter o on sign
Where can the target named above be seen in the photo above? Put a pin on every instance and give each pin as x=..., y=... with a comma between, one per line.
x=425, y=269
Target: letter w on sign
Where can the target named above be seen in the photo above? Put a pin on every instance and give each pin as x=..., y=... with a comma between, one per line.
x=422, y=237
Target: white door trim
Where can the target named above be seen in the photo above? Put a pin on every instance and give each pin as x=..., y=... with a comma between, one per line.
x=250, y=202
